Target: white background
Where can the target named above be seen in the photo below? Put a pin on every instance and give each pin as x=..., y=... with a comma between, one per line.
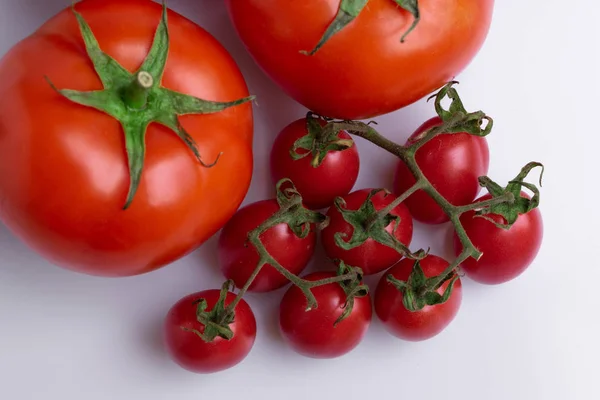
x=68, y=336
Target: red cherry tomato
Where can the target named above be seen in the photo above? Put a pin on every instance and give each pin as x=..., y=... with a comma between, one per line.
x=312, y=333
x=191, y=352
x=318, y=186
x=238, y=258
x=452, y=163
x=425, y=323
x=506, y=253
x=372, y=257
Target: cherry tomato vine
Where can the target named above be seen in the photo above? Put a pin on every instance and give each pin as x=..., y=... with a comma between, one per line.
x=418, y=291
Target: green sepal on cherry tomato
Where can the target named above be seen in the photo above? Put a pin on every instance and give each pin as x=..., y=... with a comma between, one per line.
x=137, y=100
x=456, y=118
x=368, y=223
x=352, y=287
x=216, y=321
x=521, y=205
x=419, y=291
x=318, y=142
x=299, y=218
x=350, y=9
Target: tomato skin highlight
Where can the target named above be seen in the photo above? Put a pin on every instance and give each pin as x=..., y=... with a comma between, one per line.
x=63, y=168
x=364, y=70
x=506, y=253
x=452, y=163
x=192, y=353
x=425, y=323
x=371, y=256
x=319, y=186
x=238, y=260
x=312, y=333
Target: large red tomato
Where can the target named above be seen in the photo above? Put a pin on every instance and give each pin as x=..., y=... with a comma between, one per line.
x=363, y=70
x=64, y=173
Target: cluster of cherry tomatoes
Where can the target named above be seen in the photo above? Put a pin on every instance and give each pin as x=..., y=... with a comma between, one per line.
x=452, y=163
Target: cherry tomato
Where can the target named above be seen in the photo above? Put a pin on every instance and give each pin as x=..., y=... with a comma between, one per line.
x=238, y=258
x=425, y=323
x=319, y=186
x=364, y=70
x=506, y=253
x=452, y=163
x=312, y=333
x=64, y=172
x=194, y=354
x=372, y=257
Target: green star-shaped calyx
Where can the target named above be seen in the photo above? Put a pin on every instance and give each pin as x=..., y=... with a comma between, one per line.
x=137, y=100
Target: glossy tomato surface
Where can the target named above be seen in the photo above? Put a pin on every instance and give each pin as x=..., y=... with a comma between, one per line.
x=312, y=333
x=191, y=352
x=238, y=258
x=364, y=70
x=372, y=257
x=452, y=163
x=506, y=253
x=64, y=174
x=318, y=186
x=425, y=323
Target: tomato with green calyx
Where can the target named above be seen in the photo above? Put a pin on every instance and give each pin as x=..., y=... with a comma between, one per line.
x=323, y=165
x=509, y=235
x=269, y=233
x=408, y=307
x=196, y=338
x=123, y=146
x=335, y=327
x=356, y=59
x=361, y=232
x=452, y=162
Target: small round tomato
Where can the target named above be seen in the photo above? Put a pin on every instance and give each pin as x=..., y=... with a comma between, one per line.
x=319, y=186
x=238, y=258
x=506, y=253
x=371, y=256
x=452, y=163
x=425, y=323
x=314, y=333
x=194, y=354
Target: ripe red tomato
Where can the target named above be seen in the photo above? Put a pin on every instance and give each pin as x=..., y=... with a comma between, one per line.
x=506, y=253
x=64, y=174
x=312, y=333
x=319, y=186
x=425, y=323
x=191, y=352
x=452, y=163
x=363, y=70
x=238, y=259
x=372, y=257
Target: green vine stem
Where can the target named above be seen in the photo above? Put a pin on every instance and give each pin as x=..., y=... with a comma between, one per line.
x=455, y=119
x=291, y=209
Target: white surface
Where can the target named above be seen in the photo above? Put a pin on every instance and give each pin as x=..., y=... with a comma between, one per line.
x=69, y=336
